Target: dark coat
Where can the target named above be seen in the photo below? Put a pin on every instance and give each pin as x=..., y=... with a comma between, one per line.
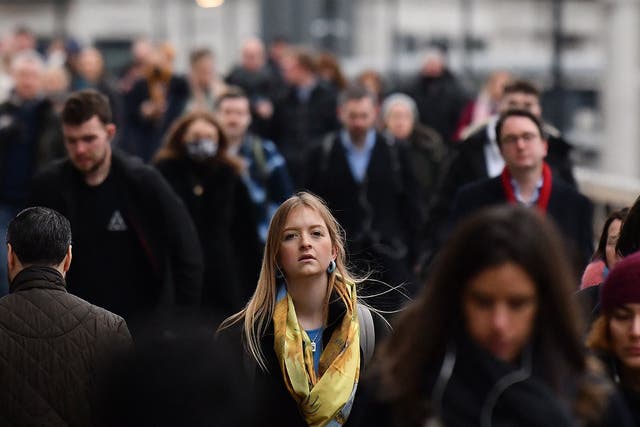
x=381, y=215
x=160, y=220
x=53, y=346
x=225, y=219
x=427, y=154
x=467, y=163
x=571, y=211
x=143, y=136
x=298, y=126
x=261, y=85
x=519, y=400
x=49, y=139
x=440, y=101
x=588, y=300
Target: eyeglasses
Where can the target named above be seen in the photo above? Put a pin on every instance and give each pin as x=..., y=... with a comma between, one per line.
x=527, y=137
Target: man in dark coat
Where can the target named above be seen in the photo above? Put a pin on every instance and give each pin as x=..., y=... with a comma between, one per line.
x=137, y=245
x=53, y=344
x=478, y=156
x=527, y=179
x=305, y=113
x=153, y=104
x=259, y=83
x=439, y=95
x=369, y=185
x=30, y=138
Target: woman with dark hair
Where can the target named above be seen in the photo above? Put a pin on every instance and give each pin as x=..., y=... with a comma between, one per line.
x=604, y=257
x=494, y=338
x=628, y=242
x=615, y=335
x=194, y=161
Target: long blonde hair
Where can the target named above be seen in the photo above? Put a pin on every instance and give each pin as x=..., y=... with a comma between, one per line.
x=258, y=313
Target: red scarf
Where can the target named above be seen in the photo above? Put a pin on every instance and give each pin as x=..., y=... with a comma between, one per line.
x=545, y=191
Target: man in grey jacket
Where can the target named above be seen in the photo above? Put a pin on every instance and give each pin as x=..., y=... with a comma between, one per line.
x=53, y=345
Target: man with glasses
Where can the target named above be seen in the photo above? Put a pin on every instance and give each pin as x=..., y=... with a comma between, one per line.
x=527, y=179
x=478, y=157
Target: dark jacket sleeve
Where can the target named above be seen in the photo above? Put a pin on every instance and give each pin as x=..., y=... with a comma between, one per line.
x=448, y=183
x=248, y=248
x=617, y=413
x=411, y=212
x=559, y=158
x=183, y=246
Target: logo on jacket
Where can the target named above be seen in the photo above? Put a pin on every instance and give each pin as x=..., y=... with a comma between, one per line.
x=116, y=223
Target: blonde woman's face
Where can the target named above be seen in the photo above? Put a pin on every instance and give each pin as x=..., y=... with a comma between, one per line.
x=624, y=329
x=305, y=246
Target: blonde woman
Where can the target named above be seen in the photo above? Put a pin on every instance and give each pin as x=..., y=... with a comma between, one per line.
x=301, y=329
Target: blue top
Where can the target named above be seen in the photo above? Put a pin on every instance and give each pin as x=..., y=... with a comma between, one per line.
x=268, y=180
x=358, y=158
x=518, y=194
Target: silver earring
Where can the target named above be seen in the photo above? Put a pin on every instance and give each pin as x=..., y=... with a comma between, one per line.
x=332, y=267
x=279, y=274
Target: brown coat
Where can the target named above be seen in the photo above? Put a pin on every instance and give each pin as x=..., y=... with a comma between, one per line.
x=52, y=345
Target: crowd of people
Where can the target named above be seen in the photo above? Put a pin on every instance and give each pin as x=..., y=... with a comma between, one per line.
x=311, y=247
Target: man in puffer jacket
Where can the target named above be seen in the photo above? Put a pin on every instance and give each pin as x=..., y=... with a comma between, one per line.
x=53, y=345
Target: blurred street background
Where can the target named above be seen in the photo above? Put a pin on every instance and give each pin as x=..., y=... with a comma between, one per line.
x=583, y=54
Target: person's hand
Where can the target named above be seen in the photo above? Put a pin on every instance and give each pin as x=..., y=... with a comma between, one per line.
x=152, y=110
x=240, y=164
x=264, y=108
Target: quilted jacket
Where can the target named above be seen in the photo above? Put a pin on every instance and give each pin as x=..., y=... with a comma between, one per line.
x=52, y=346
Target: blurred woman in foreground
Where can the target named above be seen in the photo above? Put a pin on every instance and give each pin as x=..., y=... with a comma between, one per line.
x=494, y=339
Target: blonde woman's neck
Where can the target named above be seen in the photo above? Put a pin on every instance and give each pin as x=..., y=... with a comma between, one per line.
x=309, y=297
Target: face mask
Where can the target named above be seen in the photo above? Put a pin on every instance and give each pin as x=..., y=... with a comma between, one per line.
x=202, y=149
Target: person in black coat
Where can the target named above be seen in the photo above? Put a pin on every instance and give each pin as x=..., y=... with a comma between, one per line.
x=439, y=95
x=368, y=182
x=153, y=104
x=136, y=246
x=478, y=155
x=259, y=82
x=304, y=336
x=527, y=179
x=494, y=339
x=193, y=159
x=304, y=113
x=30, y=138
x=51, y=340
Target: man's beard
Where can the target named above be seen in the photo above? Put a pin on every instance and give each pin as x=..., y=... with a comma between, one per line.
x=93, y=169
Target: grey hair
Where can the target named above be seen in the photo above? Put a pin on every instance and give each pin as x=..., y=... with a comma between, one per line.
x=399, y=98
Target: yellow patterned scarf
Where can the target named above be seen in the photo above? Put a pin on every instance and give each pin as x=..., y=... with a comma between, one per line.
x=326, y=398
